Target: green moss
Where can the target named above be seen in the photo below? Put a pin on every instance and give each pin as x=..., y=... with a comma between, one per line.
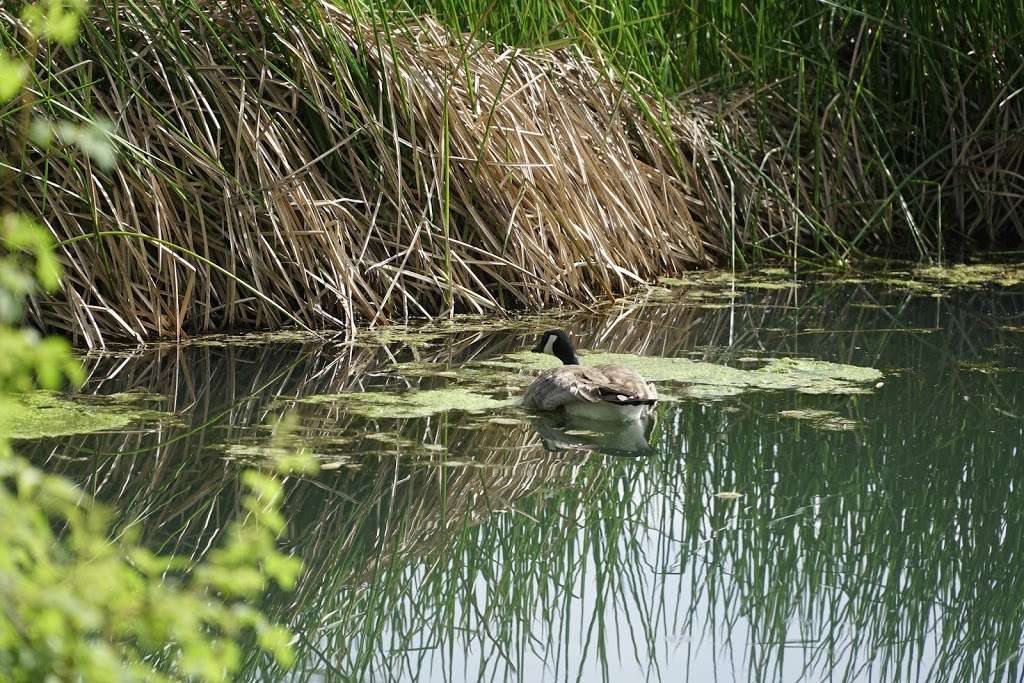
x=711, y=294
x=435, y=332
x=816, y=376
x=767, y=284
x=274, y=455
x=41, y=414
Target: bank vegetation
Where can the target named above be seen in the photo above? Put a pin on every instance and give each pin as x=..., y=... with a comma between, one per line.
x=327, y=164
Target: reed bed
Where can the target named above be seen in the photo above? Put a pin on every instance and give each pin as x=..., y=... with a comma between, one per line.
x=326, y=164
x=281, y=167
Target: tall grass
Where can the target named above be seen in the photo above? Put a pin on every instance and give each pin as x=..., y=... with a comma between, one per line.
x=344, y=171
x=905, y=115
x=323, y=163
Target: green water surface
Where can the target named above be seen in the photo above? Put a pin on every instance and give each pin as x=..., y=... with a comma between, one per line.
x=870, y=532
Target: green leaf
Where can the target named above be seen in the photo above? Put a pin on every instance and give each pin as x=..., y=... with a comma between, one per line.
x=94, y=139
x=12, y=77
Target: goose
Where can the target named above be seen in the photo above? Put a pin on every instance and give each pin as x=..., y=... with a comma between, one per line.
x=599, y=392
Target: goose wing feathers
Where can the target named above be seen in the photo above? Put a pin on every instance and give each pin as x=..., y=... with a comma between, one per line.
x=591, y=383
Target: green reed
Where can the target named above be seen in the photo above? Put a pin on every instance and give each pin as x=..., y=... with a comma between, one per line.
x=901, y=111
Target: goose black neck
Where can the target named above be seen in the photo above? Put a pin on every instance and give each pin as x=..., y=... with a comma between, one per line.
x=566, y=353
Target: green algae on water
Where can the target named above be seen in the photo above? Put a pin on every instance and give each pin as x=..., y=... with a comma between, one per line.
x=984, y=368
x=223, y=339
x=289, y=458
x=39, y=414
x=821, y=419
x=415, y=403
x=437, y=331
x=765, y=279
x=135, y=396
x=801, y=375
x=971, y=275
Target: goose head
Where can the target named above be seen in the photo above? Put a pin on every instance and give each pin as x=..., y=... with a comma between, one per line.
x=556, y=343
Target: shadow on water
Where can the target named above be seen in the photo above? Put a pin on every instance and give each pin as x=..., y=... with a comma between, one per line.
x=735, y=544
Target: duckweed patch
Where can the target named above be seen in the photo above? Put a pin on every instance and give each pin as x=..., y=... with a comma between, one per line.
x=286, y=336
x=435, y=332
x=765, y=279
x=711, y=294
x=41, y=414
x=399, y=335
x=414, y=403
x=972, y=275
x=984, y=367
x=709, y=380
x=481, y=375
x=136, y=396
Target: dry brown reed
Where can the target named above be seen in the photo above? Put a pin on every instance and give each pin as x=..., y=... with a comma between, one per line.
x=281, y=167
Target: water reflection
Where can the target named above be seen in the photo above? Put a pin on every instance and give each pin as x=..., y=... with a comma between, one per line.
x=462, y=546
x=560, y=433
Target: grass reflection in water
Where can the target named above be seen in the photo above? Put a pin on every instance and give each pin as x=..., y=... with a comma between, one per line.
x=468, y=547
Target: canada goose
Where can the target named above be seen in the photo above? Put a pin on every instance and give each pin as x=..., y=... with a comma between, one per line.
x=598, y=392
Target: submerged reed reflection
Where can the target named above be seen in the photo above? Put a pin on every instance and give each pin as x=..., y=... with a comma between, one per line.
x=455, y=547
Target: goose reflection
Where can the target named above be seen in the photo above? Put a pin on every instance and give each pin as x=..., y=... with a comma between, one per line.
x=561, y=433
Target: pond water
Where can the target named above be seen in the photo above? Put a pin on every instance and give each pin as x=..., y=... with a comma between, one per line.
x=868, y=533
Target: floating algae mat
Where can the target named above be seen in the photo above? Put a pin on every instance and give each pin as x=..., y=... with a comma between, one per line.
x=793, y=374
x=414, y=403
x=471, y=387
x=40, y=414
x=972, y=275
x=768, y=279
x=932, y=280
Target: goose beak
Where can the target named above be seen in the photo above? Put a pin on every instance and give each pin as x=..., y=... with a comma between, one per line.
x=539, y=348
